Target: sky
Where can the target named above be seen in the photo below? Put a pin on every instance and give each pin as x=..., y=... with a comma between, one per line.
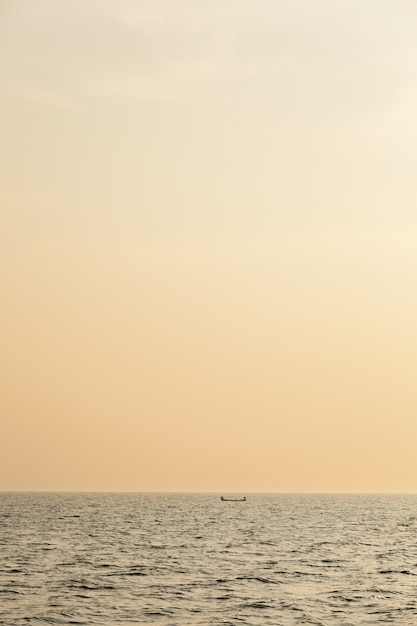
x=208, y=235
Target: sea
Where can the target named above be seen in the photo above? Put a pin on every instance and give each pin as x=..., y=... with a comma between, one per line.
x=190, y=559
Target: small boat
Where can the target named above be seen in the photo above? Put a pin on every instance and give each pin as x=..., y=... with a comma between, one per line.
x=223, y=499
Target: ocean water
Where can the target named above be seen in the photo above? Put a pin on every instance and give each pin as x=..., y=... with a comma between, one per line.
x=114, y=559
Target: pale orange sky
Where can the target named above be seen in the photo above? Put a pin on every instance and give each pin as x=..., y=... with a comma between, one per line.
x=208, y=239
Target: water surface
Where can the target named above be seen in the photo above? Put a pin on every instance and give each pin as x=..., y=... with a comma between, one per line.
x=114, y=559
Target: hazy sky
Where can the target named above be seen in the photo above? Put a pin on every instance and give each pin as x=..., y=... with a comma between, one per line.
x=208, y=229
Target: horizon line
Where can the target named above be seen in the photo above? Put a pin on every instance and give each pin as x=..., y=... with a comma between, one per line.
x=193, y=492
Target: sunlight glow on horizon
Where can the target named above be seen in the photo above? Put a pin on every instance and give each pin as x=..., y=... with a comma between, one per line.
x=208, y=226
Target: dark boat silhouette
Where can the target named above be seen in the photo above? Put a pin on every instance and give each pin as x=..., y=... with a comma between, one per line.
x=223, y=499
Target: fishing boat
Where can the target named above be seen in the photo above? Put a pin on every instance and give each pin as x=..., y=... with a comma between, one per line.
x=223, y=499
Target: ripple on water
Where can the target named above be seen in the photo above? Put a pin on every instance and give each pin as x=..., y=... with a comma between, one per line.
x=190, y=560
